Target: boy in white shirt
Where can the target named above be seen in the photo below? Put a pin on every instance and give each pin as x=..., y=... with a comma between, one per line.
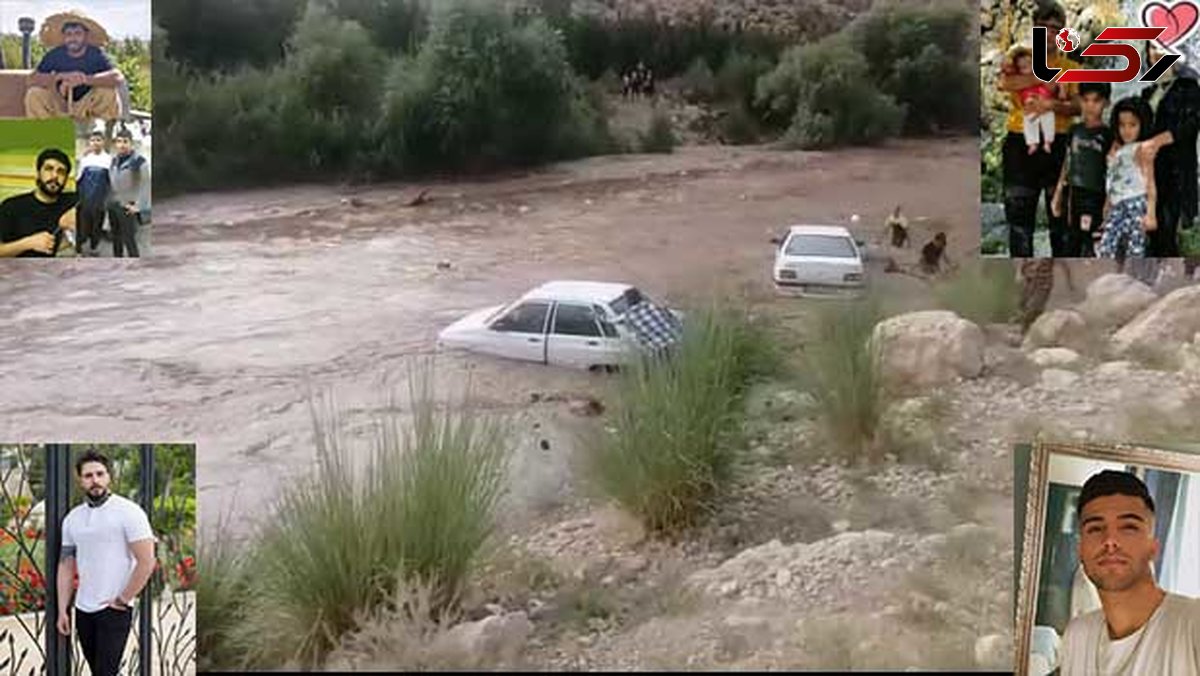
x=92, y=185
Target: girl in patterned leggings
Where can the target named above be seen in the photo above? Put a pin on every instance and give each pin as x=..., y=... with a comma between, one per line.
x=1129, y=206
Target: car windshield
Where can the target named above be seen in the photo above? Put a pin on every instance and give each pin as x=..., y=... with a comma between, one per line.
x=832, y=246
x=630, y=298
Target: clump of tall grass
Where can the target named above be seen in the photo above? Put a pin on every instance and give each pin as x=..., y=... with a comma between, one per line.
x=220, y=589
x=843, y=374
x=339, y=538
x=985, y=292
x=674, y=439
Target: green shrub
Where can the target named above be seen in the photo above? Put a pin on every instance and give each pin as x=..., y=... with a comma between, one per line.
x=739, y=127
x=337, y=541
x=737, y=77
x=923, y=57
x=843, y=375
x=1189, y=241
x=823, y=93
x=227, y=35
x=483, y=90
x=698, y=83
x=660, y=137
x=985, y=292
x=674, y=440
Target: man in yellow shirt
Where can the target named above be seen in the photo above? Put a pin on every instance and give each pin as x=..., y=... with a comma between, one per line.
x=1029, y=176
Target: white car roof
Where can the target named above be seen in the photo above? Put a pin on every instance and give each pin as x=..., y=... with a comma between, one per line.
x=835, y=230
x=583, y=292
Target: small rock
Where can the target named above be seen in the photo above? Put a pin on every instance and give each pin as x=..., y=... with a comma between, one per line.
x=544, y=445
x=609, y=580
x=1054, y=356
x=523, y=209
x=494, y=609
x=1058, y=379
x=783, y=577
x=728, y=588
x=586, y=407
x=1111, y=369
x=841, y=526
x=443, y=265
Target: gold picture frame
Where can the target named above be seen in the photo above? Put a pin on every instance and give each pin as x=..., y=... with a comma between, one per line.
x=1035, y=515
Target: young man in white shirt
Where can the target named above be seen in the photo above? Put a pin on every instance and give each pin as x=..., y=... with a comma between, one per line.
x=108, y=540
x=91, y=184
x=1140, y=629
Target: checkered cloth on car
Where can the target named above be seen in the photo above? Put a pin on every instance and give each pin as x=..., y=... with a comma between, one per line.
x=656, y=328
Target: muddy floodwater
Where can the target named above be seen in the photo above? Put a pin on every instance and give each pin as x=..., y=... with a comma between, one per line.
x=253, y=299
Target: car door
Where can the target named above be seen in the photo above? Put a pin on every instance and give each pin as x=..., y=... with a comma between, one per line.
x=519, y=333
x=577, y=339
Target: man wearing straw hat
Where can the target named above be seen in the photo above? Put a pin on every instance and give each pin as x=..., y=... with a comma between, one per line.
x=75, y=76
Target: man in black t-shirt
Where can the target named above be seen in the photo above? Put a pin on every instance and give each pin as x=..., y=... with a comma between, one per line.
x=32, y=224
x=1081, y=184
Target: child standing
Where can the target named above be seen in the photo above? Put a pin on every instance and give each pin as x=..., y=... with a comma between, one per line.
x=1130, y=203
x=1081, y=187
x=1038, y=126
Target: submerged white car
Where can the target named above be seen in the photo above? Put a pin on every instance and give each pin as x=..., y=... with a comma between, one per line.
x=818, y=260
x=585, y=325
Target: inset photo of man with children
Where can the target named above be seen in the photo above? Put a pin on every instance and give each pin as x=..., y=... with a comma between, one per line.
x=81, y=76
x=1091, y=169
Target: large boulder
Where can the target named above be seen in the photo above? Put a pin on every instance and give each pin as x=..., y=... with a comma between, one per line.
x=923, y=349
x=1057, y=328
x=1163, y=327
x=1115, y=299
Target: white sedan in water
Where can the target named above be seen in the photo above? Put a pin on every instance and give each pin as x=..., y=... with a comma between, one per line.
x=569, y=323
x=818, y=260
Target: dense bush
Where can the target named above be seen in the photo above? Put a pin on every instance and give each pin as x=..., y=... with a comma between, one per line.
x=227, y=34
x=823, y=94
x=698, y=83
x=667, y=48
x=483, y=90
x=923, y=57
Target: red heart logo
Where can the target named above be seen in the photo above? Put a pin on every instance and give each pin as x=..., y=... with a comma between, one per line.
x=1178, y=19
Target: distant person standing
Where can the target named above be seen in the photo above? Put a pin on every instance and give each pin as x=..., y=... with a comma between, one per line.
x=1027, y=177
x=75, y=77
x=108, y=541
x=92, y=184
x=129, y=200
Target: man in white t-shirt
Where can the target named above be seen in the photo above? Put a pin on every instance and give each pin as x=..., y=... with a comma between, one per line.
x=108, y=540
x=1140, y=629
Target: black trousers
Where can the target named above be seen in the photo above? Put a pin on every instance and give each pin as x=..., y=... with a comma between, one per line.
x=1080, y=203
x=1026, y=178
x=1163, y=242
x=91, y=222
x=103, y=636
x=124, y=230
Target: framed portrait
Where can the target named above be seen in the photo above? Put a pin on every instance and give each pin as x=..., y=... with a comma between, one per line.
x=1053, y=587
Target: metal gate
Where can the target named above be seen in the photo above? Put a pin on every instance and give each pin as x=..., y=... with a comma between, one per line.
x=37, y=488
